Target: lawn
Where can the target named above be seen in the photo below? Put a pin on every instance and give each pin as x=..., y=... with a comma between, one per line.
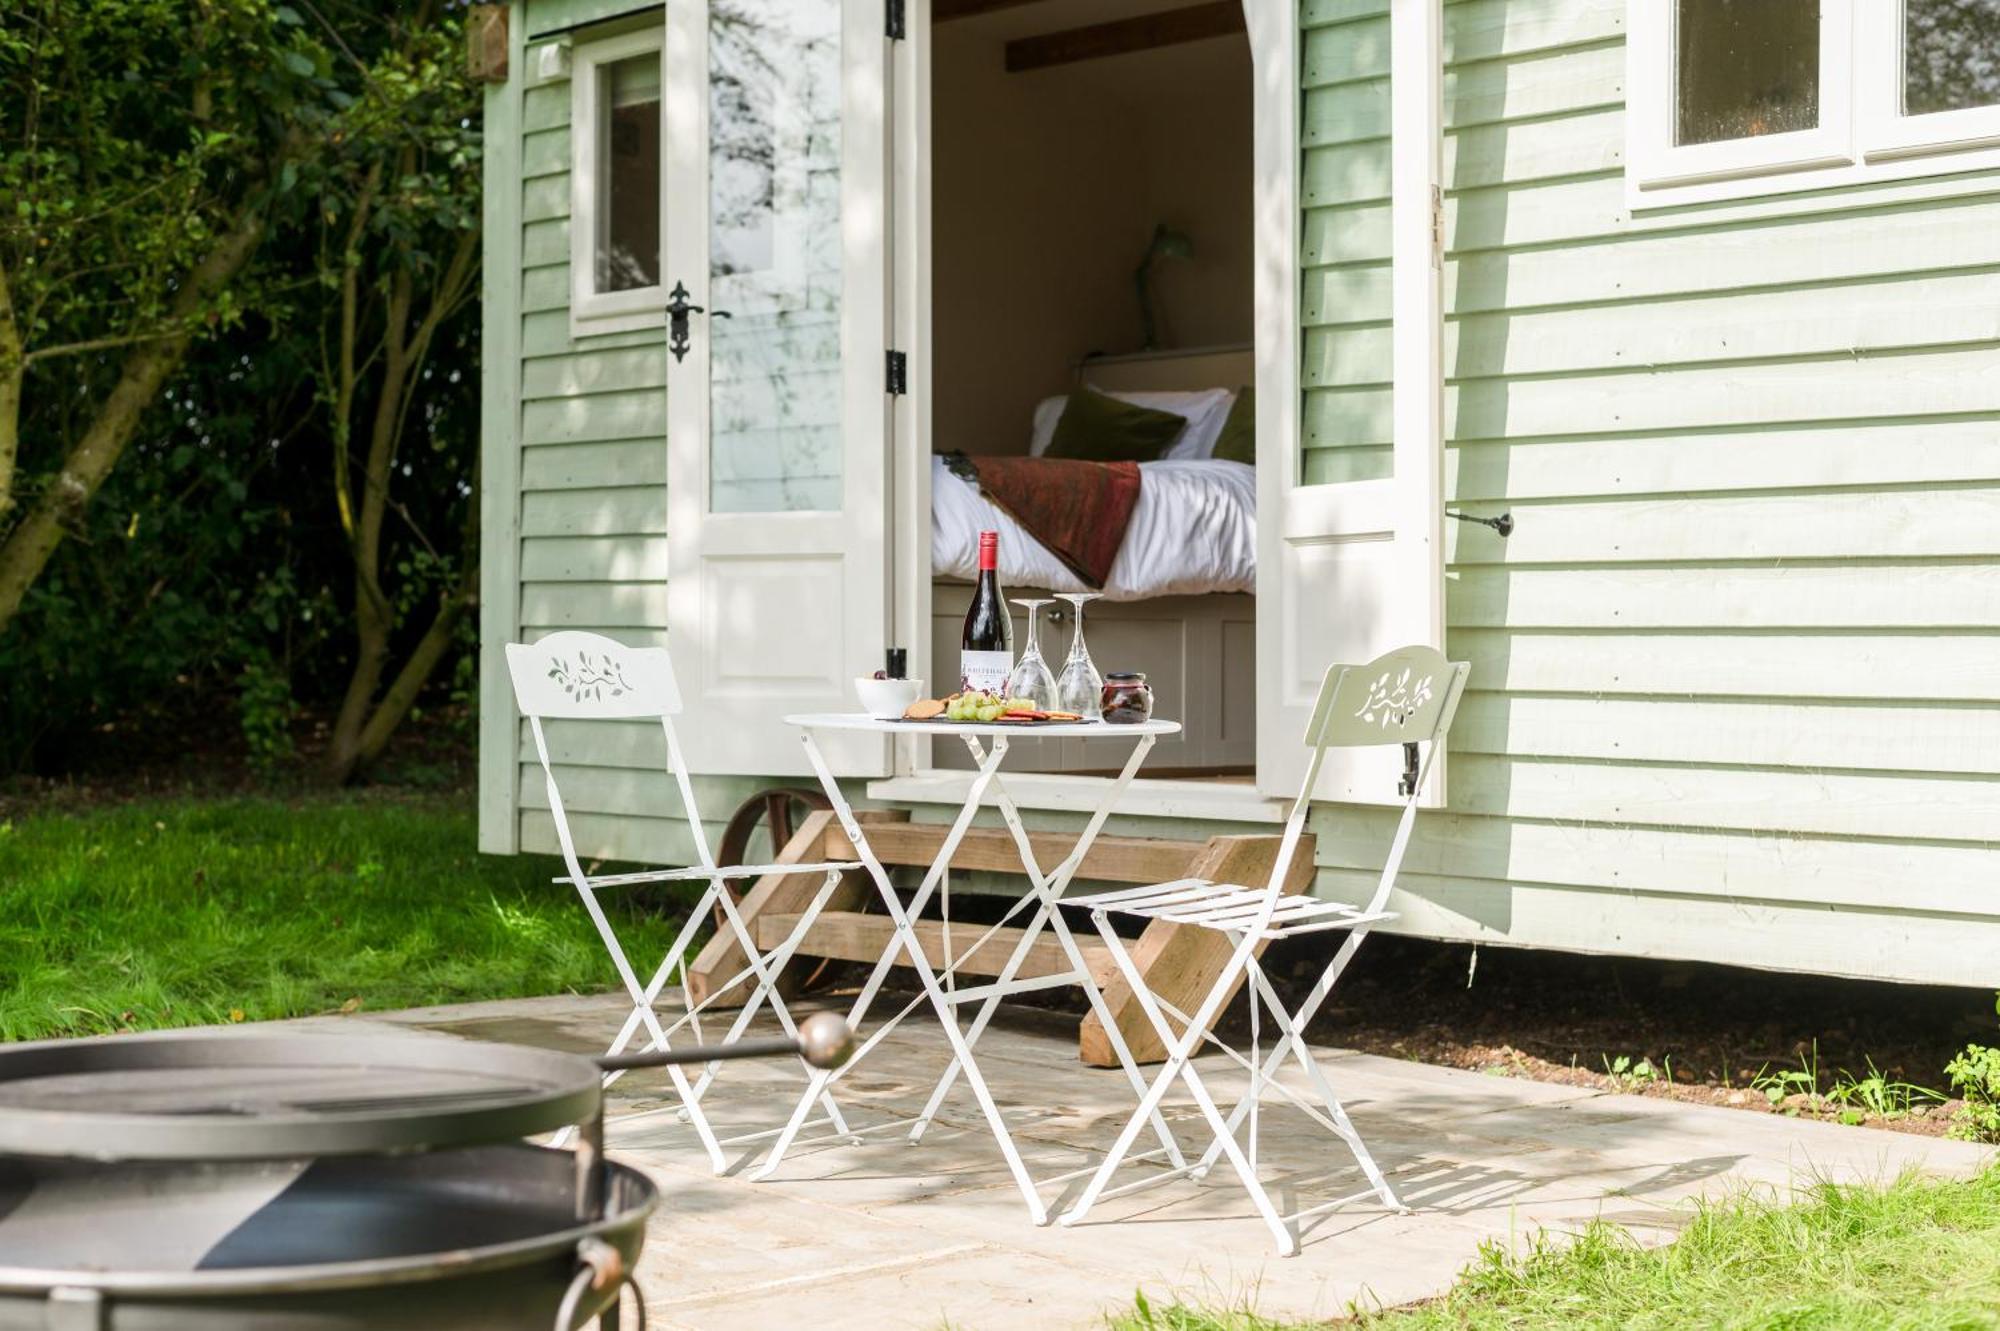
x=1918, y=1254
x=180, y=912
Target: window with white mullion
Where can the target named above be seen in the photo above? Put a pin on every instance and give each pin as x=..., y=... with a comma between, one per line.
x=617, y=184
x=1719, y=89
x=1928, y=76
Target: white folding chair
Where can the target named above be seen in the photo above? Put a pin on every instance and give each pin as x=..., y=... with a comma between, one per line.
x=584, y=676
x=1404, y=697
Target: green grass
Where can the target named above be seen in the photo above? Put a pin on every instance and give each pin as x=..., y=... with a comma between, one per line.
x=180, y=912
x=1917, y=1255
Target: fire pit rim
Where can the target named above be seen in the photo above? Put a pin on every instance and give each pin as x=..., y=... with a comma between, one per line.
x=638, y=1194
x=553, y=1089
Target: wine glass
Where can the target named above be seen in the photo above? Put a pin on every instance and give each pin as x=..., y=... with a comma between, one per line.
x=1032, y=680
x=1080, y=688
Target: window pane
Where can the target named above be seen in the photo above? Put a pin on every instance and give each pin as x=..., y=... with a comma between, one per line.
x=774, y=248
x=1951, y=55
x=1745, y=68
x=628, y=250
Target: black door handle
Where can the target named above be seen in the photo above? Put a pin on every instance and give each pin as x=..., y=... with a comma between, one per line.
x=678, y=311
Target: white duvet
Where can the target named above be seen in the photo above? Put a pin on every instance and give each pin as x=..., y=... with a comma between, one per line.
x=1194, y=530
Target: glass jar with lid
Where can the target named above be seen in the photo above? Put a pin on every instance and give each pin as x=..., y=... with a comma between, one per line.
x=1127, y=698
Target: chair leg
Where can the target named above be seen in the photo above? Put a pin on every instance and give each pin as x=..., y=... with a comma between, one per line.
x=642, y=1003
x=1343, y=1125
x=1178, y=1066
x=1246, y=1169
x=661, y=974
x=767, y=967
x=1177, y=1049
x=1282, y=1047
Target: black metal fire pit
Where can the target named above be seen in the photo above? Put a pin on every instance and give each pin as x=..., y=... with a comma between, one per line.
x=204, y=1182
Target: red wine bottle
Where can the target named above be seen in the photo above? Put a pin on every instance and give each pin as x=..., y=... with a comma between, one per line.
x=986, y=648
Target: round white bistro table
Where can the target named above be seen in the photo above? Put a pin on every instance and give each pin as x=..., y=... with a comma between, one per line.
x=987, y=742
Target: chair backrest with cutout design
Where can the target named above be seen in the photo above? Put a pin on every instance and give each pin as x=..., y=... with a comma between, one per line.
x=1406, y=696
x=1401, y=697
x=573, y=674
x=585, y=676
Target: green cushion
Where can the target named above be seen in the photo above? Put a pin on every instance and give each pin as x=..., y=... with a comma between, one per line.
x=1238, y=440
x=1097, y=428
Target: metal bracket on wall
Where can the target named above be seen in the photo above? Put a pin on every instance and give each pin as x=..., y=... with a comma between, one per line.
x=1504, y=524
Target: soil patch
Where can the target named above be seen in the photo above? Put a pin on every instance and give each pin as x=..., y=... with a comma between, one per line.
x=1764, y=1042
x=1754, y=1040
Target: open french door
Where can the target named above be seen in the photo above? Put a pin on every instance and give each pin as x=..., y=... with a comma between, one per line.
x=777, y=416
x=1350, y=563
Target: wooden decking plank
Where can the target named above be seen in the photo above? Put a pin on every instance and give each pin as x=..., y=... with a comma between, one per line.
x=850, y=935
x=1111, y=859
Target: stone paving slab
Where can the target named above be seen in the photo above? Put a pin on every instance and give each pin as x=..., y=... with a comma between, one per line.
x=888, y=1235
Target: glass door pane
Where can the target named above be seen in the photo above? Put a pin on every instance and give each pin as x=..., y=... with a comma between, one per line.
x=774, y=86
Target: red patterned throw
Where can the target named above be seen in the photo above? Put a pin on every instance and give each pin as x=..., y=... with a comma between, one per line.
x=1079, y=510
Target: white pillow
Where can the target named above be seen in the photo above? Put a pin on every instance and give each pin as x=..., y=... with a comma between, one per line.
x=1206, y=412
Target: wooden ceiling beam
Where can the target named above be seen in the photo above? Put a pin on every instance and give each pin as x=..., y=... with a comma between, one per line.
x=1169, y=28
x=944, y=11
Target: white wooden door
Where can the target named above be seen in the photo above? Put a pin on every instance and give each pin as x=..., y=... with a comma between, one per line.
x=777, y=415
x=1351, y=564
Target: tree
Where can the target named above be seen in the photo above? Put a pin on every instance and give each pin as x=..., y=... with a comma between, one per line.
x=200, y=194
x=142, y=145
x=399, y=260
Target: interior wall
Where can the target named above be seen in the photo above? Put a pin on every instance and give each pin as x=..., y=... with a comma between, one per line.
x=1046, y=187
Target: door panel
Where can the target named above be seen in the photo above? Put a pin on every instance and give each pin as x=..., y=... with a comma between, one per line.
x=1347, y=570
x=778, y=425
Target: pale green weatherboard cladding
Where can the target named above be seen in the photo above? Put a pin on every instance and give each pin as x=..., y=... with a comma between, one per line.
x=581, y=431
x=1736, y=689
x=1736, y=680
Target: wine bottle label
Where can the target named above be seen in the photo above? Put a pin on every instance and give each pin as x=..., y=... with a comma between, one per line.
x=984, y=670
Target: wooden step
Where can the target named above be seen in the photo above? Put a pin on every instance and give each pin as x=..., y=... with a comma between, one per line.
x=850, y=935
x=1112, y=859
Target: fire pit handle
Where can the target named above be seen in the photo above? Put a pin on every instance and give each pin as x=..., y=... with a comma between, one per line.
x=824, y=1042
x=599, y=1267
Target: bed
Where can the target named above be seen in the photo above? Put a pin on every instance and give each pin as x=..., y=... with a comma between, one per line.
x=1179, y=601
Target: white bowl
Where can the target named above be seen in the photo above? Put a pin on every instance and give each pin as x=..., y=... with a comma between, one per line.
x=888, y=699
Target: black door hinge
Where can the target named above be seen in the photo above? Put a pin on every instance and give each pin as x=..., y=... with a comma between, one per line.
x=899, y=374
x=895, y=24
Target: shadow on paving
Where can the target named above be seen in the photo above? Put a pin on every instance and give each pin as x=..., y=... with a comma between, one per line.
x=887, y=1235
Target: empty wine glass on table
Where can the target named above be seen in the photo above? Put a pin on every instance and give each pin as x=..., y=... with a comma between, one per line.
x=1032, y=681
x=1080, y=688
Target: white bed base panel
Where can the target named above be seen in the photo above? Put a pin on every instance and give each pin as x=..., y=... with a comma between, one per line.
x=1199, y=653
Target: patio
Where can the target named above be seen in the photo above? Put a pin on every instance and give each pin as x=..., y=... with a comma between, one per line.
x=883, y=1236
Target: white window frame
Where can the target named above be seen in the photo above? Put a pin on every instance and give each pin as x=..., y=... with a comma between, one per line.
x=592, y=311
x=1655, y=159
x=1862, y=138
x=1883, y=131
